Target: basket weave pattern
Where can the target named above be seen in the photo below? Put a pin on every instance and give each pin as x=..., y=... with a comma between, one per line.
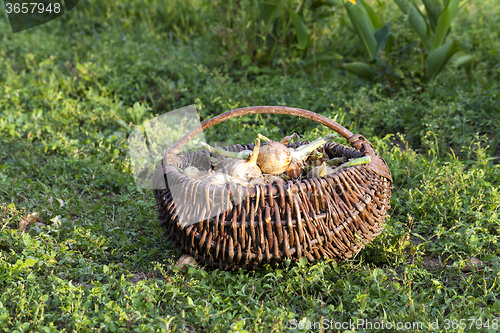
x=331, y=217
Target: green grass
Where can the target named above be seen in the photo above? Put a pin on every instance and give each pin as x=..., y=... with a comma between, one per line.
x=72, y=90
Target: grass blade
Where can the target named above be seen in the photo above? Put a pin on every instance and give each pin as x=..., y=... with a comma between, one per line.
x=438, y=58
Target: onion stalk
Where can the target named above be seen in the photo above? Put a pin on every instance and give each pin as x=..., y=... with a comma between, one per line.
x=231, y=154
x=324, y=169
x=319, y=171
x=353, y=162
x=336, y=160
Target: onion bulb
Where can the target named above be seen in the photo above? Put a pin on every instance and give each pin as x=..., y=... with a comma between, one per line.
x=275, y=158
x=247, y=170
x=222, y=179
x=185, y=261
x=192, y=172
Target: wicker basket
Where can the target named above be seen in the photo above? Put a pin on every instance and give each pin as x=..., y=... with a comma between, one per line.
x=332, y=217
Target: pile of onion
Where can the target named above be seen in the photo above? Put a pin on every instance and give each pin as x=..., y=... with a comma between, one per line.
x=272, y=160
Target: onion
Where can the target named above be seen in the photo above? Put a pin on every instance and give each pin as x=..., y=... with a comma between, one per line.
x=275, y=158
x=316, y=158
x=185, y=261
x=247, y=170
x=222, y=179
x=192, y=172
x=353, y=162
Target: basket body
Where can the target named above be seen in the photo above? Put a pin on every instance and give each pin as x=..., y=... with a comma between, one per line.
x=331, y=217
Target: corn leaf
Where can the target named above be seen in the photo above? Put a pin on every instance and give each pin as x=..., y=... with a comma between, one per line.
x=300, y=29
x=417, y=21
x=433, y=9
x=321, y=57
x=348, y=24
x=362, y=23
x=382, y=37
x=404, y=6
x=444, y=21
x=361, y=69
x=315, y=4
x=465, y=60
x=269, y=12
x=377, y=24
x=438, y=58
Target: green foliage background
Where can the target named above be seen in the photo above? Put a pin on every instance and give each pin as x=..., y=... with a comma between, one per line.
x=72, y=90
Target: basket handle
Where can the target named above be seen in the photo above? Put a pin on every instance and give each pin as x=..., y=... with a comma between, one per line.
x=377, y=164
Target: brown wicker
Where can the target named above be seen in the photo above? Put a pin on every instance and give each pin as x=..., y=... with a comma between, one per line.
x=320, y=218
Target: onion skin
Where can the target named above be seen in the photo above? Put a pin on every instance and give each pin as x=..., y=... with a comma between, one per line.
x=287, y=139
x=265, y=180
x=257, y=181
x=294, y=169
x=274, y=179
